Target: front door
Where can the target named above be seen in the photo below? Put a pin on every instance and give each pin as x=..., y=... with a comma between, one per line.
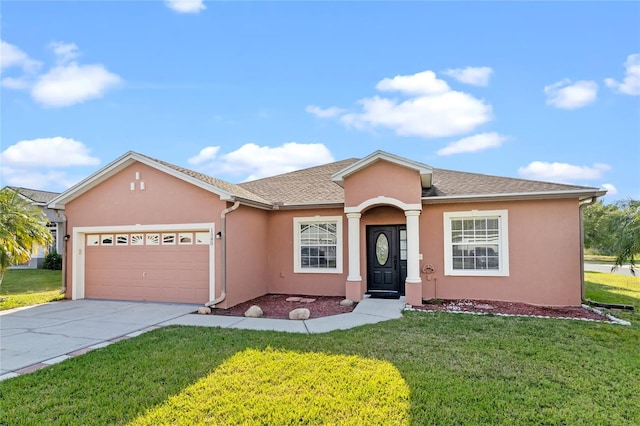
x=386, y=259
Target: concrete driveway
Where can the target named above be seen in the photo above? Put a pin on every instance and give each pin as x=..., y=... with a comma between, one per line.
x=41, y=335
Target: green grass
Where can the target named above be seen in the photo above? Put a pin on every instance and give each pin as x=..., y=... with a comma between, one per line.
x=459, y=369
x=25, y=287
x=598, y=258
x=617, y=289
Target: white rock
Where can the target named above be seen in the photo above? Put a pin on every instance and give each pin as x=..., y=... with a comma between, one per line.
x=299, y=314
x=254, y=312
x=347, y=302
x=204, y=310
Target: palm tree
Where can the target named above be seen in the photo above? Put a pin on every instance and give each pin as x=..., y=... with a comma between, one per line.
x=22, y=228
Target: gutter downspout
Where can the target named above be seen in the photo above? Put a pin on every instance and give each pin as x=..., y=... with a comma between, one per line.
x=61, y=215
x=223, y=254
x=583, y=204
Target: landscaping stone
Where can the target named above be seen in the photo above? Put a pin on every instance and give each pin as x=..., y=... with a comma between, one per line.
x=347, y=302
x=293, y=299
x=204, y=310
x=306, y=300
x=254, y=312
x=484, y=306
x=299, y=314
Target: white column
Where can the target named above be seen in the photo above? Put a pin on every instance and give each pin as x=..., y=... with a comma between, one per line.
x=354, y=246
x=413, y=246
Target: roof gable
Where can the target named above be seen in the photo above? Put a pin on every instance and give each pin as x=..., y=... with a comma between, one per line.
x=424, y=170
x=226, y=190
x=35, y=196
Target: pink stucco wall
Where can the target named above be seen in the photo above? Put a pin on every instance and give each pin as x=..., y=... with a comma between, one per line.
x=165, y=200
x=544, y=254
x=282, y=279
x=383, y=178
x=247, y=255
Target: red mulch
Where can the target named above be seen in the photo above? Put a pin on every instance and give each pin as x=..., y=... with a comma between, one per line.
x=492, y=307
x=276, y=306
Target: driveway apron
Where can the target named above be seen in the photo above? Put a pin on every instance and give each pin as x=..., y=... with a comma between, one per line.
x=47, y=333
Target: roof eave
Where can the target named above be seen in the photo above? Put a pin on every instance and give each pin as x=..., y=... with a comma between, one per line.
x=580, y=194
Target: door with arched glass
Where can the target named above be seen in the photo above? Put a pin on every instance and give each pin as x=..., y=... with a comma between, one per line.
x=386, y=259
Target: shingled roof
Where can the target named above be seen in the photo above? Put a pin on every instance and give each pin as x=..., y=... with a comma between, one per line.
x=307, y=186
x=35, y=195
x=450, y=183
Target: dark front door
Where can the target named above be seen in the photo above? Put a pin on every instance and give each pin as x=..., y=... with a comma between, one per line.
x=386, y=259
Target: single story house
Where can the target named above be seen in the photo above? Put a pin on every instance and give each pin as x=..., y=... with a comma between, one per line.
x=145, y=229
x=40, y=199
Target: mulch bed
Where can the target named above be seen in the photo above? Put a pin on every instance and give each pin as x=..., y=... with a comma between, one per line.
x=509, y=308
x=276, y=306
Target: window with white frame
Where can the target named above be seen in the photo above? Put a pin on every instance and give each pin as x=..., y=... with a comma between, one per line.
x=317, y=244
x=476, y=243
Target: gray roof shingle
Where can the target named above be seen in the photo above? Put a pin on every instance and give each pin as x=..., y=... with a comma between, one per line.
x=35, y=195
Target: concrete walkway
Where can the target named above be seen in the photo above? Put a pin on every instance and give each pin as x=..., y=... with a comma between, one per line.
x=39, y=336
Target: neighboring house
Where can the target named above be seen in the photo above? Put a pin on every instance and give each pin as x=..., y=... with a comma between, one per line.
x=55, y=223
x=144, y=229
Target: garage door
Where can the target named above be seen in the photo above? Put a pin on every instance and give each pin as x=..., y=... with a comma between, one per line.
x=153, y=266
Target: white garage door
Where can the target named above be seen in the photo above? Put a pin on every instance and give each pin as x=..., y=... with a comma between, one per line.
x=150, y=266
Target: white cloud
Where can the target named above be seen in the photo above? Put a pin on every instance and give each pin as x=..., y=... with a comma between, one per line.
x=563, y=94
x=70, y=84
x=446, y=114
x=324, y=112
x=65, y=52
x=42, y=163
x=611, y=189
x=631, y=83
x=562, y=172
x=422, y=83
x=16, y=83
x=476, y=76
x=12, y=56
x=47, y=152
x=186, y=6
x=206, y=154
x=474, y=143
x=430, y=109
x=254, y=162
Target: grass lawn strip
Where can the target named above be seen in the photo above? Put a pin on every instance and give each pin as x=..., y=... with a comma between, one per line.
x=26, y=287
x=460, y=369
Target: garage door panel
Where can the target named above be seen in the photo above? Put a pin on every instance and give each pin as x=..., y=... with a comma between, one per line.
x=159, y=273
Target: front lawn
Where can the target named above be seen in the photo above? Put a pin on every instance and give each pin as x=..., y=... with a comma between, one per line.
x=458, y=369
x=25, y=287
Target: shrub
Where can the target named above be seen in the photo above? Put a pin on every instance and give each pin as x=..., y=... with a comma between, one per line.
x=53, y=260
x=274, y=387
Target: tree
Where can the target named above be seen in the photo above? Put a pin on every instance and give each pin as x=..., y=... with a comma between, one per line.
x=22, y=228
x=626, y=228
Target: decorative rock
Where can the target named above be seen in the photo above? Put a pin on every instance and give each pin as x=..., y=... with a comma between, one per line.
x=347, y=302
x=299, y=314
x=305, y=300
x=204, y=310
x=254, y=312
x=293, y=299
x=484, y=306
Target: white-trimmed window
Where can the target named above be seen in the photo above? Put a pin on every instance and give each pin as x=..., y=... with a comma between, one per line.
x=106, y=240
x=153, y=239
x=476, y=243
x=185, y=238
x=203, y=238
x=317, y=246
x=122, y=239
x=93, y=240
x=168, y=239
x=137, y=239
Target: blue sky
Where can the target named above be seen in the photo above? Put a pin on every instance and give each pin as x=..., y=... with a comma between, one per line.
x=241, y=90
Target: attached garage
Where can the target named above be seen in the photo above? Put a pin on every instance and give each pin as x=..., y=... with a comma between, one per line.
x=163, y=263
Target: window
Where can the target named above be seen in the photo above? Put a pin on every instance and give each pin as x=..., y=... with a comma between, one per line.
x=122, y=239
x=168, y=239
x=106, y=240
x=153, y=239
x=317, y=244
x=185, y=238
x=203, y=238
x=137, y=239
x=476, y=243
x=93, y=240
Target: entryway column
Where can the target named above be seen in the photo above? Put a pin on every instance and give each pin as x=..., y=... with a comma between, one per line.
x=354, y=279
x=413, y=283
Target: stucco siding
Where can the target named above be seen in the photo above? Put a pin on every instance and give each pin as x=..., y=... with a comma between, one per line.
x=544, y=254
x=247, y=255
x=280, y=247
x=383, y=179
